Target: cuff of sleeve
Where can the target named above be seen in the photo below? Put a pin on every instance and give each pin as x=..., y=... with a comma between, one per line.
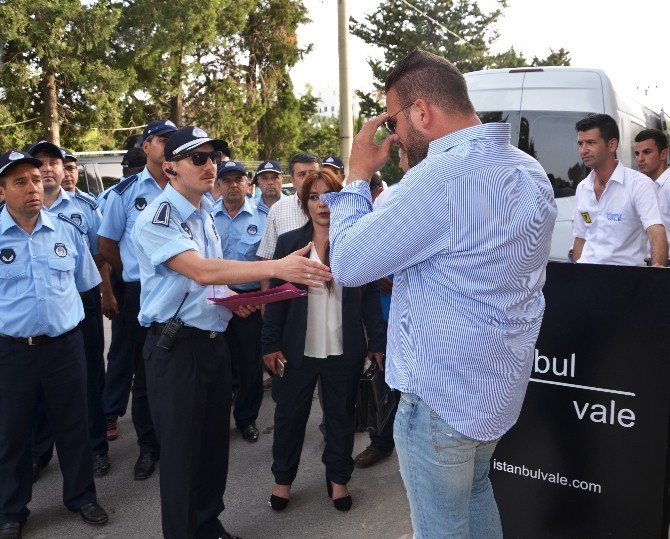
x=169, y=250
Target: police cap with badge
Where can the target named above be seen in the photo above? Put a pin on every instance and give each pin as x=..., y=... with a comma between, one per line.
x=158, y=128
x=13, y=158
x=334, y=162
x=230, y=166
x=267, y=166
x=46, y=147
x=188, y=138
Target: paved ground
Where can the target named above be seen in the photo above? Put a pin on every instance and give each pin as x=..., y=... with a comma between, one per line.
x=380, y=507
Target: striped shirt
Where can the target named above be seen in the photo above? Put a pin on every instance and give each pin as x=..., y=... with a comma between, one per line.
x=468, y=269
x=285, y=215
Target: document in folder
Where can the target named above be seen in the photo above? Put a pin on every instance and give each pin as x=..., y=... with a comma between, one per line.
x=279, y=293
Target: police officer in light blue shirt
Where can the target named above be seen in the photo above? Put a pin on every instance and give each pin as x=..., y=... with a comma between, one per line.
x=124, y=204
x=179, y=253
x=269, y=180
x=81, y=210
x=44, y=265
x=240, y=225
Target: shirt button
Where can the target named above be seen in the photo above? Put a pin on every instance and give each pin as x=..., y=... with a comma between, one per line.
x=37, y=276
x=34, y=256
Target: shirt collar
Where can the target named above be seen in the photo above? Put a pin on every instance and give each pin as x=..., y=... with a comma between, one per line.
x=618, y=176
x=660, y=181
x=145, y=176
x=44, y=219
x=184, y=208
x=493, y=132
x=219, y=207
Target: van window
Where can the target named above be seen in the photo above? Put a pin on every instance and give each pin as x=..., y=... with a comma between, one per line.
x=549, y=137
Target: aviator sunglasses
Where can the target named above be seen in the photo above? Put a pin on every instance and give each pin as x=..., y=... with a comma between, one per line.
x=200, y=158
x=390, y=123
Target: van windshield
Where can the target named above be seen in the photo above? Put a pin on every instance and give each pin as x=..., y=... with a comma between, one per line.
x=549, y=137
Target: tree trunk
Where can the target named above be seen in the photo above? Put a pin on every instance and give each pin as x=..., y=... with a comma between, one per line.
x=177, y=108
x=50, y=116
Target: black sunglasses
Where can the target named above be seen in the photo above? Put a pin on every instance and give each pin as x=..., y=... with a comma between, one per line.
x=200, y=158
x=390, y=123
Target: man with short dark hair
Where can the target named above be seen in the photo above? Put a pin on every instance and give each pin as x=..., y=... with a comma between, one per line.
x=469, y=269
x=125, y=203
x=48, y=264
x=616, y=209
x=188, y=366
x=651, y=154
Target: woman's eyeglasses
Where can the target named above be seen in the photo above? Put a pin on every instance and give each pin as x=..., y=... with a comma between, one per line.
x=200, y=158
x=391, y=122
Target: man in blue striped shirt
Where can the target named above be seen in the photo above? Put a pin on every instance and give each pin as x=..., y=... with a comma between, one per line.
x=467, y=299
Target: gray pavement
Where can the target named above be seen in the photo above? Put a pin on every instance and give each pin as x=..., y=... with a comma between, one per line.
x=380, y=508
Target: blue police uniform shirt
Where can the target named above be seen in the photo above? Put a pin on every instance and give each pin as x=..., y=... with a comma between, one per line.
x=125, y=202
x=83, y=211
x=171, y=225
x=264, y=209
x=41, y=275
x=240, y=235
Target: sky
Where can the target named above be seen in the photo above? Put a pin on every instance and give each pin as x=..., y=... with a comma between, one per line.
x=630, y=44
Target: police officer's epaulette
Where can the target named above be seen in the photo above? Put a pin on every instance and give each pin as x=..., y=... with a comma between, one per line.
x=123, y=185
x=68, y=220
x=86, y=198
x=162, y=216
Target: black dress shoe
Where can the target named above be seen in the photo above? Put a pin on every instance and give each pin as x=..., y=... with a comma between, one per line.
x=101, y=465
x=11, y=530
x=145, y=466
x=250, y=433
x=92, y=513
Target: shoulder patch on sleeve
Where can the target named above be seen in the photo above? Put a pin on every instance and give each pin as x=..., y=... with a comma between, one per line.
x=162, y=216
x=123, y=185
x=68, y=220
x=87, y=199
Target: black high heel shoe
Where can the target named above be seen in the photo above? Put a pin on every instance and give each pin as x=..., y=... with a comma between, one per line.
x=278, y=503
x=341, y=504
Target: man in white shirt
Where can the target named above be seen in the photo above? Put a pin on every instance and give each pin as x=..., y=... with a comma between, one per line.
x=651, y=154
x=616, y=209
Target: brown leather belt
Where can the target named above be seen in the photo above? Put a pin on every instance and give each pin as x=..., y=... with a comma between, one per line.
x=39, y=339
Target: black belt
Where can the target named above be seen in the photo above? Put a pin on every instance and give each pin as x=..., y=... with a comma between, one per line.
x=39, y=339
x=186, y=331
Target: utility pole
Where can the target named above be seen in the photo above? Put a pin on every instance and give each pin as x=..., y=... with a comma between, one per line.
x=346, y=120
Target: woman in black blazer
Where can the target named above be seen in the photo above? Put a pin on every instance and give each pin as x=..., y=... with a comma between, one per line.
x=319, y=336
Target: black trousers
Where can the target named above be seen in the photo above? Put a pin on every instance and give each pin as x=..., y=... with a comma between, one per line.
x=243, y=337
x=293, y=395
x=141, y=414
x=190, y=393
x=119, y=375
x=58, y=370
x=94, y=348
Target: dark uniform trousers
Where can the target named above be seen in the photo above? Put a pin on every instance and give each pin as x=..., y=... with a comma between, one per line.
x=144, y=428
x=57, y=369
x=94, y=349
x=293, y=395
x=243, y=336
x=190, y=396
x=119, y=375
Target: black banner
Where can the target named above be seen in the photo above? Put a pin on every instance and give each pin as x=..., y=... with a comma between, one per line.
x=589, y=456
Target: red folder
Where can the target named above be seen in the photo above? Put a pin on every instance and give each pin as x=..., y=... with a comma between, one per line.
x=279, y=293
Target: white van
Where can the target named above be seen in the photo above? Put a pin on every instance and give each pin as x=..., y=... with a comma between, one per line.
x=542, y=105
